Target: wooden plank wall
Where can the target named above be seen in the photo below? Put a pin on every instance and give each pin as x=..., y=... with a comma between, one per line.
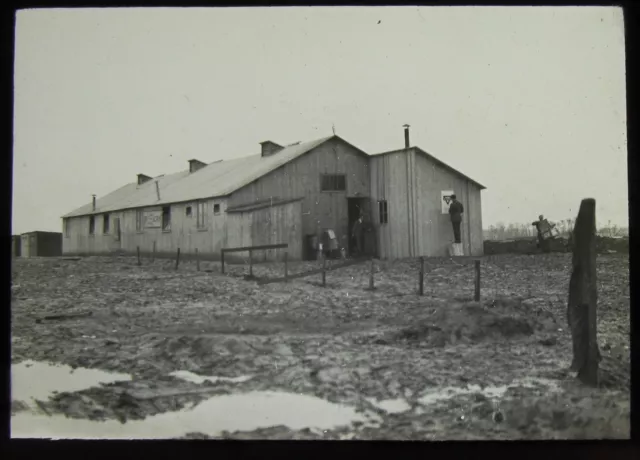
x=301, y=178
x=184, y=232
x=411, y=183
x=436, y=231
x=280, y=224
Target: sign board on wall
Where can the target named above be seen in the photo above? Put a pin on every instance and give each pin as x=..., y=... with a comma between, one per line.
x=153, y=219
x=445, y=200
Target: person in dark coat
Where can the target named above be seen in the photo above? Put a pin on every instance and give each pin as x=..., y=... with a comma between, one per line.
x=537, y=224
x=357, y=233
x=455, y=211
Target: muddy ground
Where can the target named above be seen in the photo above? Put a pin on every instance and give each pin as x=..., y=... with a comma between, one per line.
x=440, y=366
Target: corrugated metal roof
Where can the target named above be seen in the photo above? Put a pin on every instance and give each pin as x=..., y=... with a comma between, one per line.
x=436, y=160
x=217, y=179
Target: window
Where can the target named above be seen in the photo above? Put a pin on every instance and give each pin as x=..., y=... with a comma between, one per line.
x=216, y=209
x=92, y=225
x=202, y=214
x=166, y=218
x=105, y=223
x=383, y=212
x=67, y=231
x=139, y=220
x=188, y=211
x=333, y=182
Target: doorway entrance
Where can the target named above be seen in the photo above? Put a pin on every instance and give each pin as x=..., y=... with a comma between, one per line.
x=356, y=207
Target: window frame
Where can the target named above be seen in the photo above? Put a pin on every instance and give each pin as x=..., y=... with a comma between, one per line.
x=383, y=212
x=201, y=215
x=334, y=182
x=166, y=227
x=106, y=224
x=139, y=220
x=218, y=207
x=92, y=225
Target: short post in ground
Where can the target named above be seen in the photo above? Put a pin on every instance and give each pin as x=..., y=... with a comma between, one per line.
x=421, y=277
x=583, y=296
x=476, y=294
x=178, y=258
x=138, y=253
x=250, y=263
x=153, y=252
x=197, y=261
x=324, y=272
x=286, y=268
x=371, y=285
x=222, y=261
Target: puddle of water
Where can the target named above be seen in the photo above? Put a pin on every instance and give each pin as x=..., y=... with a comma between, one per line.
x=391, y=406
x=492, y=392
x=39, y=380
x=240, y=412
x=195, y=378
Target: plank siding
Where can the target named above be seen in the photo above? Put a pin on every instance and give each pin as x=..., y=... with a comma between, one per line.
x=184, y=233
x=301, y=179
x=411, y=183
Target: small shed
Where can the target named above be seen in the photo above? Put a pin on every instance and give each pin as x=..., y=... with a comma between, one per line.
x=16, y=245
x=41, y=244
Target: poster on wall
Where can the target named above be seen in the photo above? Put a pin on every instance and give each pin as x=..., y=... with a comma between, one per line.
x=446, y=200
x=153, y=219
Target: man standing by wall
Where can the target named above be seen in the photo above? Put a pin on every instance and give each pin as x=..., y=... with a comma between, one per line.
x=455, y=211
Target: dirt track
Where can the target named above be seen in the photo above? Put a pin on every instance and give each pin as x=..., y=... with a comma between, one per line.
x=504, y=360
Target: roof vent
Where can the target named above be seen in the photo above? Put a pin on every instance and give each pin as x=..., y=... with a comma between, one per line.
x=269, y=148
x=142, y=178
x=194, y=165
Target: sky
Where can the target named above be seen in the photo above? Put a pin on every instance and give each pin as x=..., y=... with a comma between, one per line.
x=528, y=101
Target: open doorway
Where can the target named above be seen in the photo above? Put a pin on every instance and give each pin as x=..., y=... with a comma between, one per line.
x=356, y=207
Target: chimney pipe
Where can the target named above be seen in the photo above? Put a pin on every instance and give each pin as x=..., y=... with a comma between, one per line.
x=94, y=202
x=406, y=137
x=158, y=190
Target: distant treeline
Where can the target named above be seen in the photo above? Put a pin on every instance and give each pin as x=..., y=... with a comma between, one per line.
x=502, y=231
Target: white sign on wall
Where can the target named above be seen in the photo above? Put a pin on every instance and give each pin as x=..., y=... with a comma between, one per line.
x=153, y=219
x=445, y=200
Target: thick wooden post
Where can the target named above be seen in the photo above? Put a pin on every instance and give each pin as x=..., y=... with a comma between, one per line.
x=286, y=271
x=476, y=294
x=421, y=275
x=138, y=252
x=324, y=272
x=153, y=253
x=222, y=260
x=583, y=296
x=371, y=274
x=178, y=258
x=197, y=261
x=250, y=263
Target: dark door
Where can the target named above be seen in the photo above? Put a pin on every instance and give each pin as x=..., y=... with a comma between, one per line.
x=356, y=207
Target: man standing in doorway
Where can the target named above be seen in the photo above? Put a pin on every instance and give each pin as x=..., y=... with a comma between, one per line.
x=455, y=211
x=357, y=234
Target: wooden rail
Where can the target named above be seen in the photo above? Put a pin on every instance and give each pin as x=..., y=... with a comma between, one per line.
x=251, y=249
x=315, y=271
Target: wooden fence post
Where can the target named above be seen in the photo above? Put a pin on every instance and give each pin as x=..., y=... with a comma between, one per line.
x=178, y=258
x=222, y=260
x=250, y=263
x=371, y=274
x=421, y=275
x=197, y=261
x=286, y=271
x=153, y=253
x=476, y=294
x=138, y=252
x=324, y=272
x=583, y=296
